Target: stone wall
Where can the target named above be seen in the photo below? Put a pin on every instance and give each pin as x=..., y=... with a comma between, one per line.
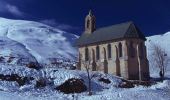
x=126, y=66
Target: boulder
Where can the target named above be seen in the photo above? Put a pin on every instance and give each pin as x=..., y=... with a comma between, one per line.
x=72, y=86
x=40, y=83
x=14, y=77
x=33, y=65
x=126, y=85
x=105, y=80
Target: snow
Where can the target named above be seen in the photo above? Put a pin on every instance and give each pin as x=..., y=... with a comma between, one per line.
x=36, y=41
x=62, y=76
x=10, y=96
x=9, y=86
x=19, y=70
x=163, y=41
x=101, y=91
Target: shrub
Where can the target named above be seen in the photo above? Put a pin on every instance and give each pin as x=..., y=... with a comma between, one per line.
x=10, y=59
x=14, y=77
x=2, y=59
x=104, y=80
x=40, y=83
x=33, y=65
x=72, y=86
x=126, y=85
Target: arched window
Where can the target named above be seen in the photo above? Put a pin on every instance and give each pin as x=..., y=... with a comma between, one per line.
x=141, y=50
x=104, y=53
x=88, y=23
x=131, y=50
x=86, y=54
x=93, y=54
x=94, y=24
x=120, y=50
x=80, y=56
x=97, y=53
x=109, y=50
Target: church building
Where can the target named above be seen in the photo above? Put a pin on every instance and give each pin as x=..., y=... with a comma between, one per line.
x=117, y=49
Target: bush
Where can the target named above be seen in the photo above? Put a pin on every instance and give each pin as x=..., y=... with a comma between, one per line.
x=72, y=67
x=40, y=83
x=126, y=85
x=10, y=59
x=33, y=65
x=14, y=77
x=104, y=80
x=2, y=59
x=72, y=86
x=131, y=84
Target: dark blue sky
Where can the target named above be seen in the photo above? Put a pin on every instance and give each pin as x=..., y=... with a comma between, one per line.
x=151, y=16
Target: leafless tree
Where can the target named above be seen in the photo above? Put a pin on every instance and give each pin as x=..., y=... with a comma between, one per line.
x=160, y=58
x=88, y=66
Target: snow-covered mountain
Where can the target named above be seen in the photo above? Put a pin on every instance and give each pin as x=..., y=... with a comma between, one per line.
x=35, y=41
x=163, y=41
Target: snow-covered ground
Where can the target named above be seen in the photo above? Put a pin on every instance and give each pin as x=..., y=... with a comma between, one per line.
x=101, y=91
x=109, y=94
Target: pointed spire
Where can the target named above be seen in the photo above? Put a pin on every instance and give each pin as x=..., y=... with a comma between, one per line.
x=90, y=12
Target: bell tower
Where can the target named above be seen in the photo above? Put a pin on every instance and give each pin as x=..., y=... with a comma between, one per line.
x=90, y=23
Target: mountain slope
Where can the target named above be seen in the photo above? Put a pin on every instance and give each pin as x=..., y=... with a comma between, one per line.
x=37, y=40
x=163, y=41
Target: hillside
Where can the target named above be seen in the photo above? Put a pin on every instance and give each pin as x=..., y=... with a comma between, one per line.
x=35, y=41
x=163, y=41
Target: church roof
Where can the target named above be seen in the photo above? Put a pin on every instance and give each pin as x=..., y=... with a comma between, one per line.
x=114, y=32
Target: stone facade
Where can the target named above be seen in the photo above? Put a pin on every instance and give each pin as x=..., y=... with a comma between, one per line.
x=125, y=57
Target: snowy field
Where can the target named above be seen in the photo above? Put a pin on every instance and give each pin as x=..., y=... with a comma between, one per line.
x=138, y=93
x=101, y=91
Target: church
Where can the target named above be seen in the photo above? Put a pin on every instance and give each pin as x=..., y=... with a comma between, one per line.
x=117, y=49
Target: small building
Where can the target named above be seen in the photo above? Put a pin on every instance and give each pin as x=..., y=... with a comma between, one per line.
x=118, y=49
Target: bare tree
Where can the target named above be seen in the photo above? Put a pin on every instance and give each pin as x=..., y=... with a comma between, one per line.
x=160, y=59
x=88, y=66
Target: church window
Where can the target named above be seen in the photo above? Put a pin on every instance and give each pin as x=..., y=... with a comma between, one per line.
x=109, y=50
x=131, y=50
x=104, y=51
x=97, y=53
x=120, y=50
x=88, y=23
x=86, y=54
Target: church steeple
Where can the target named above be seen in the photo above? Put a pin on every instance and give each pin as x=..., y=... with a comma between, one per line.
x=90, y=23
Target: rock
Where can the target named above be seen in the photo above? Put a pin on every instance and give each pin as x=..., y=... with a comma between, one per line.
x=104, y=80
x=126, y=85
x=40, y=83
x=2, y=59
x=33, y=65
x=14, y=77
x=72, y=86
